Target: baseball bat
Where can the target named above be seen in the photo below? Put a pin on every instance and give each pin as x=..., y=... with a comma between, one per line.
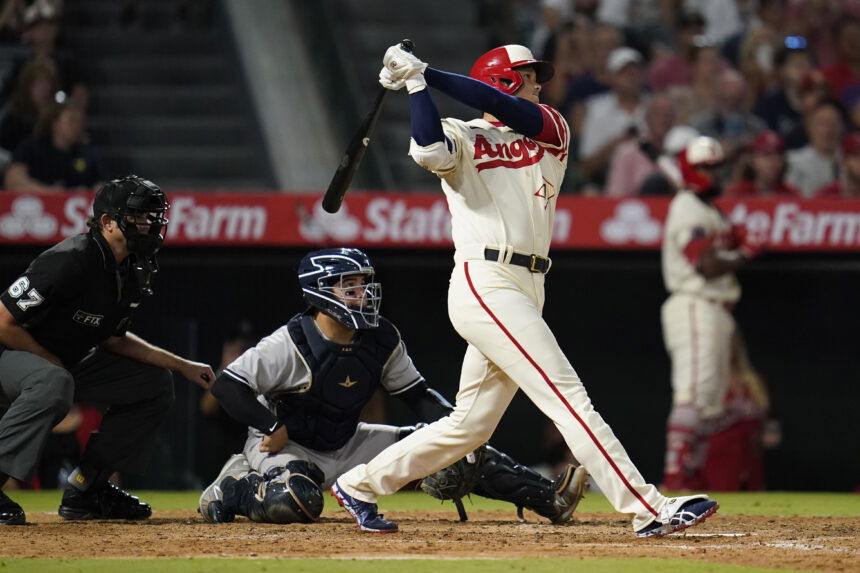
x=355, y=150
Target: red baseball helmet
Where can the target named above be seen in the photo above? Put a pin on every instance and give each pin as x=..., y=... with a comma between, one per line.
x=501, y=64
x=700, y=153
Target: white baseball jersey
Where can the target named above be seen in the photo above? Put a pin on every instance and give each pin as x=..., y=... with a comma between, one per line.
x=275, y=366
x=501, y=189
x=501, y=186
x=697, y=331
x=691, y=226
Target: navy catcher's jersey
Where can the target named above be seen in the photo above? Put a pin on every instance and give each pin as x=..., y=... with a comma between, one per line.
x=318, y=387
x=74, y=296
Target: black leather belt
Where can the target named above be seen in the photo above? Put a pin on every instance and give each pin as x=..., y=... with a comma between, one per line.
x=534, y=263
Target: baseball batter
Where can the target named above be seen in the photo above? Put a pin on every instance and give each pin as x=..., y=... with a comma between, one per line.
x=501, y=175
x=302, y=389
x=701, y=251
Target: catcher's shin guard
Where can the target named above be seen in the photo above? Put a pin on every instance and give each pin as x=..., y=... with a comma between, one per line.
x=285, y=495
x=500, y=477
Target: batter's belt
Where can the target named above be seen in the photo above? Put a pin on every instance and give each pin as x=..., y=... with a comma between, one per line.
x=534, y=263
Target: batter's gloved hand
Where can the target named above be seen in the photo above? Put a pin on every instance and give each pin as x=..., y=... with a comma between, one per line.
x=752, y=245
x=386, y=81
x=405, y=66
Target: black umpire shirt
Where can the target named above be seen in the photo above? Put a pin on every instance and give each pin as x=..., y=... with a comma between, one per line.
x=74, y=296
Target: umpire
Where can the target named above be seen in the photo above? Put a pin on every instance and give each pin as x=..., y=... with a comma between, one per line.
x=64, y=339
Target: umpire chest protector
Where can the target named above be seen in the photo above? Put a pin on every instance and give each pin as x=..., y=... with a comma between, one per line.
x=343, y=379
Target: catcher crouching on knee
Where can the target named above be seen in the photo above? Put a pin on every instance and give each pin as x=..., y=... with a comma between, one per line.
x=301, y=391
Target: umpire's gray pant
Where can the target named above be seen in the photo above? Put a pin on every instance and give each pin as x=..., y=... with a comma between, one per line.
x=37, y=394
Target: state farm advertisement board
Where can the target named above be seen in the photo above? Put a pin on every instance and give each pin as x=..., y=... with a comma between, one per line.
x=421, y=220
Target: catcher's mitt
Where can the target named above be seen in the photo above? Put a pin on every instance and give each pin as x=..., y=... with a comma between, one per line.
x=456, y=481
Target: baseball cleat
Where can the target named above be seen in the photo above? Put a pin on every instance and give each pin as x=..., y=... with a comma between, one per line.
x=10, y=512
x=680, y=513
x=103, y=502
x=569, y=491
x=365, y=514
x=211, y=505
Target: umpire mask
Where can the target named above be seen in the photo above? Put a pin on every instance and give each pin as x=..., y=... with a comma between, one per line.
x=139, y=208
x=328, y=282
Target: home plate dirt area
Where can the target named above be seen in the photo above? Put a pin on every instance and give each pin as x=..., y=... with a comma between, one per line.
x=810, y=543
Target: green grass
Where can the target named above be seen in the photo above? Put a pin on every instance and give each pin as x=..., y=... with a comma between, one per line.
x=548, y=565
x=759, y=503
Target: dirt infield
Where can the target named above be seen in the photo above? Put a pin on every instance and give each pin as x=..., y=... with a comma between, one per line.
x=812, y=543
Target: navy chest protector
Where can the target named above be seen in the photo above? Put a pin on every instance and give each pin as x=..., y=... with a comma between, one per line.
x=343, y=379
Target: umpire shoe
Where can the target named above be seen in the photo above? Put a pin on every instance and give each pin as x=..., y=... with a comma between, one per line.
x=365, y=514
x=10, y=512
x=102, y=502
x=211, y=505
x=680, y=513
x=569, y=490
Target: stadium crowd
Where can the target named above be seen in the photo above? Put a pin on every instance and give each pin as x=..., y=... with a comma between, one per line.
x=777, y=82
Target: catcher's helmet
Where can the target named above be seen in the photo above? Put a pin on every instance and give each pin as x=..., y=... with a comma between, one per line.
x=498, y=67
x=701, y=152
x=320, y=272
x=127, y=201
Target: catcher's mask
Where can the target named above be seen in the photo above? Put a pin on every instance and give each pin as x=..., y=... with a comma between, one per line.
x=328, y=281
x=498, y=67
x=139, y=207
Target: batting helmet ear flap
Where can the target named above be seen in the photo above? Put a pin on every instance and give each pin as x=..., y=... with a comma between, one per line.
x=498, y=68
x=701, y=152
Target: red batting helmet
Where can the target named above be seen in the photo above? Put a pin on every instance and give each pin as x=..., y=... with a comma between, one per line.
x=501, y=64
x=700, y=153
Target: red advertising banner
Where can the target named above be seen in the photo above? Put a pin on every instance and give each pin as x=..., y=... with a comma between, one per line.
x=421, y=220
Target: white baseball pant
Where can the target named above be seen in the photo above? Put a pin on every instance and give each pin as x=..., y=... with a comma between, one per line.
x=496, y=308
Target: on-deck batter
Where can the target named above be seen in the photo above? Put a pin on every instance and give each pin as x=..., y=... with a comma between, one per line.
x=501, y=175
x=701, y=249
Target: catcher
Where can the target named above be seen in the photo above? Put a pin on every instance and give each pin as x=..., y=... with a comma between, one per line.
x=301, y=391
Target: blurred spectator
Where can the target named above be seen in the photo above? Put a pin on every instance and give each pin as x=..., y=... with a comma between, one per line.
x=554, y=15
x=34, y=94
x=612, y=117
x=763, y=170
x=729, y=121
x=845, y=71
x=594, y=46
x=851, y=99
x=635, y=159
x=708, y=64
x=647, y=24
x=722, y=19
x=56, y=157
x=11, y=17
x=817, y=20
x=780, y=107
x=41, y=33
x=676, y=67
x=756, y=54
x=735, y=452
x=848, y=183
x=766, y=23
x=666, y=179
x=816, y=164
x=814, y=90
